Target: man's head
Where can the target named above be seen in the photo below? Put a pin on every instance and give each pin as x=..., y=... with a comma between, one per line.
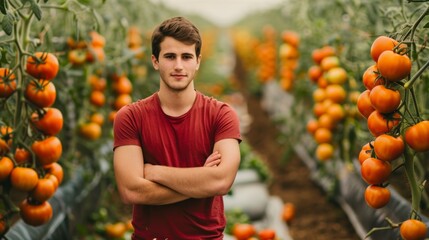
x=178, y=28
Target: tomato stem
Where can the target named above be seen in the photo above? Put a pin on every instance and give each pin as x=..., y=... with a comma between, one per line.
x=411, y=176
x=410, y=83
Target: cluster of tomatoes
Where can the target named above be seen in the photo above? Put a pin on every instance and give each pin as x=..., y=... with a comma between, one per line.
x=30, y=148
x=288, y=55
x=122, y=88
x=266, y=54
x=380, y=104
x=81, y=52
x=247, y=231
x=328, y=96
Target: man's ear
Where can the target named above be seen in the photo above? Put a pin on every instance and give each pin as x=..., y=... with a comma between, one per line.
x=154, y=62
x=198, y=61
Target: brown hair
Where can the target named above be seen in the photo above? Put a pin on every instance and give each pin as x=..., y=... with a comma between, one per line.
x=178, y=28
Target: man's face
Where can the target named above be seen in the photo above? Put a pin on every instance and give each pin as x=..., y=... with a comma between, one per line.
x=177, y=64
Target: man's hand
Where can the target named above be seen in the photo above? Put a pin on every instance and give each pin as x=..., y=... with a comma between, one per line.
x=213, y=160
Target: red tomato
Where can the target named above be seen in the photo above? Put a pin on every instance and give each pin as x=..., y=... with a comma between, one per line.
x=35, y=214
x=24, y=179
x=413, y=229
x=7, y=83
x=393, y=66
x=6, y=167
x=43, y=65
x=371, y=77
x=375, y=171
x=364, y=105
x=379, y=123
x=384, y=100
x=267, y=234
x=388, y=148
x=42, y=93
x=21, y=155
x=50, y=122
x=376, y=196
x=417, y=136
x=243, y=231
x=48, y=150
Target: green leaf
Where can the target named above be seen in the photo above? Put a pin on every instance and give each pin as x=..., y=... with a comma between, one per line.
x=426, y=25
x=3, y=6
x=36, y=9
x=7, y=23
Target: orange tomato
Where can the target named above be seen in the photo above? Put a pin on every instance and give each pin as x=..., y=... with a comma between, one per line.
x=376, y=196
x=122, y=85
x=115, y=230
x=371, y=77
x=42, y=65
x=379, y=123
x=288, y=212
x=381, y=44
x=44, y=190
x=336, y=93
x=97, y=98
x=243, y=231
x=7, y=83
x=55, y=169
x=314, y=73
x=35, y=214
x=384, y=100
x=48, y=150
x=323, y=135
x=267, y=234
x=417, y=136
x=324, y=151
x=90, y=130
x=41, y=93
x=6, y=167
x=24, y=179
x=388, y=148
x=21, y=155
x=393, y=66
x=49, y=122
x=375, y=171
x=364, y=105
x=413, y=229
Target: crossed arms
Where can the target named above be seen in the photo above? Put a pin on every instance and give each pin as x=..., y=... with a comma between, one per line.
x=140, y=183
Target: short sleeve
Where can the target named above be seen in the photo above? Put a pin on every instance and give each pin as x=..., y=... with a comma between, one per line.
x=227, y=124
x=125, y=128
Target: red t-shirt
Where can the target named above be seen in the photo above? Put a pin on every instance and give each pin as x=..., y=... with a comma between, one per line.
x=184, y=141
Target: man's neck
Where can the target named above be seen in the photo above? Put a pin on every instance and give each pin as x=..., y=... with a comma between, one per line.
x=176, y=103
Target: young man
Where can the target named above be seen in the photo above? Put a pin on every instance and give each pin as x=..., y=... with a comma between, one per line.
x=176, y=152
